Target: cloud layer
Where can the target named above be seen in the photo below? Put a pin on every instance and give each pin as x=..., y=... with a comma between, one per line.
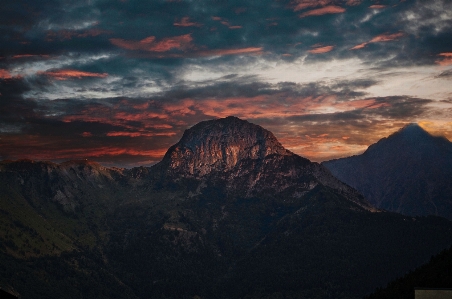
x=119, y=81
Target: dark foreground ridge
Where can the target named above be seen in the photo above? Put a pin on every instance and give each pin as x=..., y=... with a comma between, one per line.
x=436, y=274
x=228, y=213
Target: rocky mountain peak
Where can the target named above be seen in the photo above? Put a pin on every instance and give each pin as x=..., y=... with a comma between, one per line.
x=219, y=145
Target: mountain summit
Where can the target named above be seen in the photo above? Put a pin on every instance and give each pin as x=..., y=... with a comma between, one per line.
x=408, y=172
x=220, y=145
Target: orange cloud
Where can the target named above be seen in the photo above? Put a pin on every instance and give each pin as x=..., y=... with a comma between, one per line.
x=180, y=42
x=87, y=134
x=29, y=56
x=185, y=22
x=447, y=60
x=266, y=106
x=360, y=46
x=222, y=52
x=318, y=147
x=226, y=23
x=377, y=6
x=386, y=37
x=302, y=4
x=122, y=114
x=4, y=74
x=332, y=9
x=360, y=104
x=139, y=134
x=380, y=38
x=353, y=2
x=71, y=74
x=320, y=50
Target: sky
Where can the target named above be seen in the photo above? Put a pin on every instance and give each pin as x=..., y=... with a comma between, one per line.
x=118, y=81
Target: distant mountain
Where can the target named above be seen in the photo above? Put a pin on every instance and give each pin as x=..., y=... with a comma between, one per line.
x=409, y=172
x=227, y=213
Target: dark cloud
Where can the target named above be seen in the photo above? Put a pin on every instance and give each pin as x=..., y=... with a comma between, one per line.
x=445, y=74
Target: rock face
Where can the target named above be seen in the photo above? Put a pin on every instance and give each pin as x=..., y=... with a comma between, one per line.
x=220, y=145
x=409, y=172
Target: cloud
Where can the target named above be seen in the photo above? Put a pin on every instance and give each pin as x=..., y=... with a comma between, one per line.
x=385, y=37
x=185, y=22
x=139, y=131
x=303, y=4
x=319, y=50
x=21, y=56
x=66, y=34
x=4, y=74
x=445, y=74
x=223, y=52
x=429, y=18
x=150, y=44
x=226, y=23
x=139, y=134
x=446, y=59
x=331, y=9
x=209, y=53
x=353, y=2
x=71, y=74
x=147, y=70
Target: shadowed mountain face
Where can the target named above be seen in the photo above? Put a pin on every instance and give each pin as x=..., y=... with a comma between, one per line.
x=228, y=213
x=409, y=172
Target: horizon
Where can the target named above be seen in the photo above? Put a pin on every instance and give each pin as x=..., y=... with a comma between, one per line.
x=118, y=82
x=115, y=165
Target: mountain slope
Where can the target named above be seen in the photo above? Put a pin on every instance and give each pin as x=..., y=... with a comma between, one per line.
x=409, y=172
x=437, y=273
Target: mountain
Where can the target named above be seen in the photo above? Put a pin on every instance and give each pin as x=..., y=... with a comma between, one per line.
x=248, y=160
x=227, y=213
x=409, y=172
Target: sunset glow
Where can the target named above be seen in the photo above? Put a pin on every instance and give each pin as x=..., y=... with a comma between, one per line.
x=68, y=74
